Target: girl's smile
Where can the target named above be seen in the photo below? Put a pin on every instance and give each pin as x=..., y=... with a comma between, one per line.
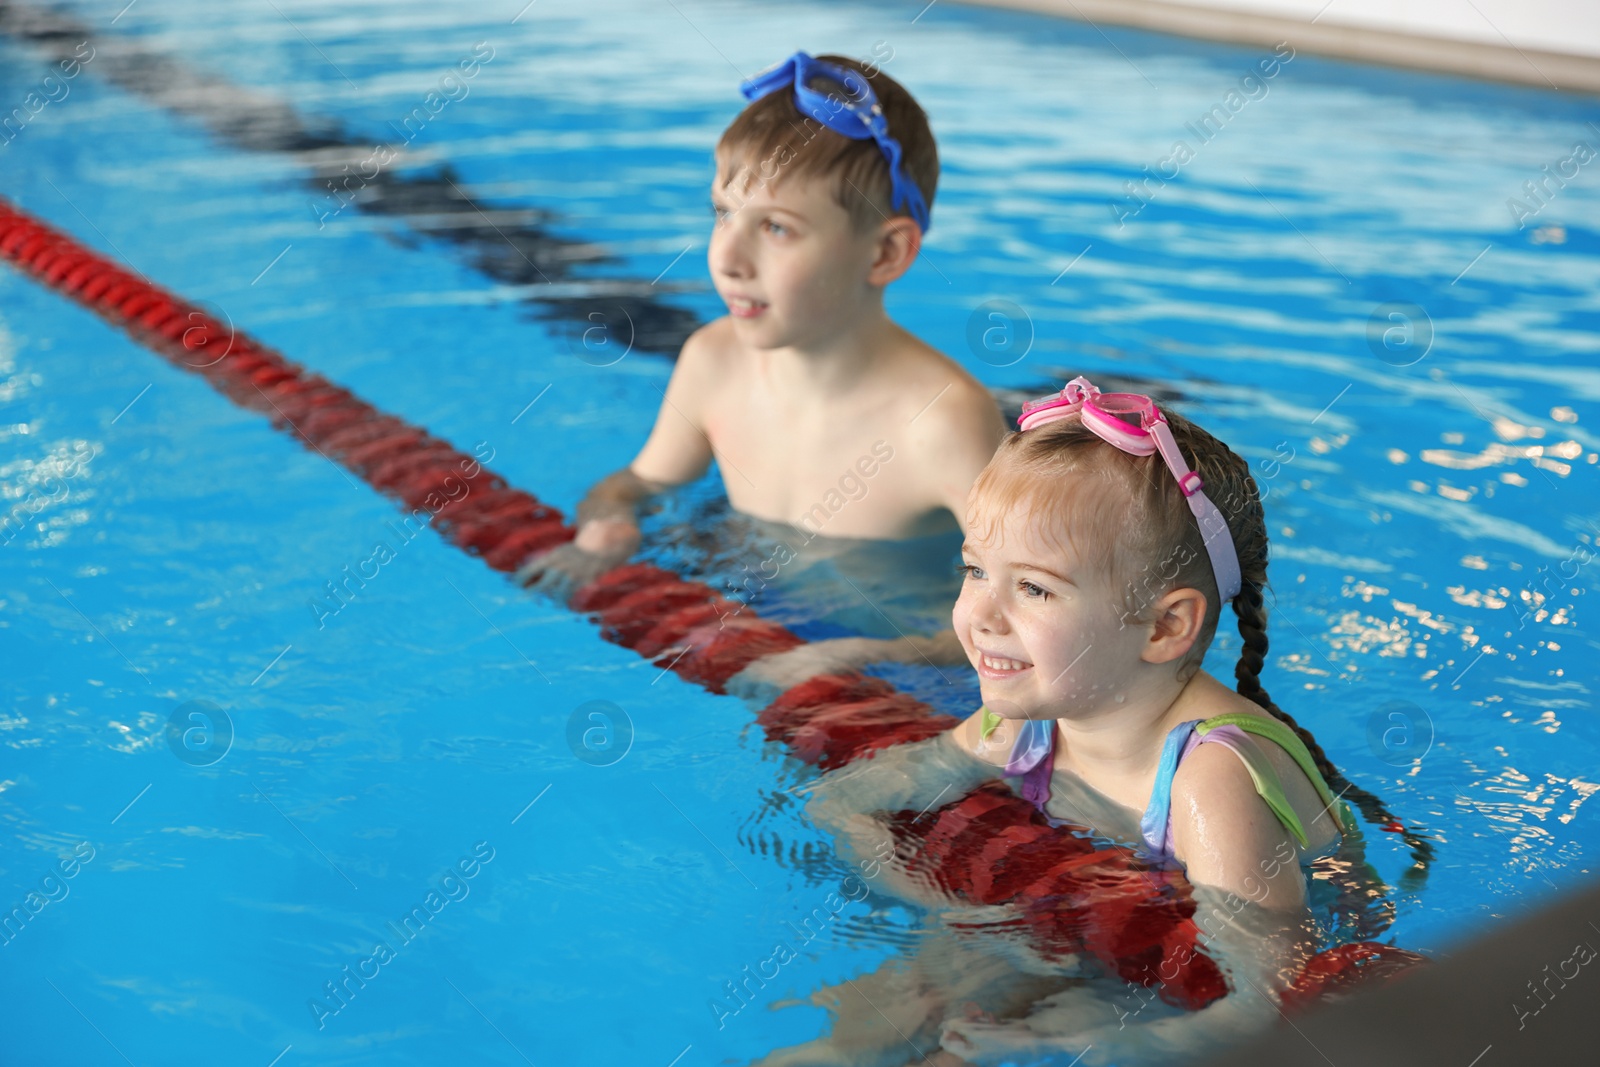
x=992, y=665
x=1039, y=623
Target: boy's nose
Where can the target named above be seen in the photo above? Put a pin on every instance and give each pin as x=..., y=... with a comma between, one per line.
x=727, y=255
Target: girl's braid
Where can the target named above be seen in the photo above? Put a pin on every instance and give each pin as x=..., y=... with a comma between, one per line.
x=1252, y=612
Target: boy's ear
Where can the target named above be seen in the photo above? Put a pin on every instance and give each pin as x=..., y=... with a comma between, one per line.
x=1179, y=616
x=898, y=242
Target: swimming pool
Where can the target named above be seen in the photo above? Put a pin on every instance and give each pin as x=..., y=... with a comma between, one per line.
x=1423, y=473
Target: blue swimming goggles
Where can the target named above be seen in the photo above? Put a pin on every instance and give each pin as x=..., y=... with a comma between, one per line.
x=842, y=101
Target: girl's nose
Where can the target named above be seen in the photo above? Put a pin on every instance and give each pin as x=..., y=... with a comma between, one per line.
x=988, y=615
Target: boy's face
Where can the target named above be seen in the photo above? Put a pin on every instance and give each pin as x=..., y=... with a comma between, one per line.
x=787, y=260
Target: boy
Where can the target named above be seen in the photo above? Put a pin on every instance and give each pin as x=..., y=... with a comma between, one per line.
x=807, y=387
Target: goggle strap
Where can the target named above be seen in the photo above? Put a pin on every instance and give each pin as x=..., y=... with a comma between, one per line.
x=904, y=194
x=768, y=81
x=1213, y=527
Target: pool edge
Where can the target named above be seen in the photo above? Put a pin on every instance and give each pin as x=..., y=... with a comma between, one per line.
x=1513, y=64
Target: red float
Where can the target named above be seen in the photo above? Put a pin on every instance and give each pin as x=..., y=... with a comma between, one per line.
x=988, y=847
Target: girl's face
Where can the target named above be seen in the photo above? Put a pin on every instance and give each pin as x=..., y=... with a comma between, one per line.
x=1041, y=625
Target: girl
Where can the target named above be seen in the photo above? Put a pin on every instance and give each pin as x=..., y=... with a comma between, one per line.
x=1097, y=564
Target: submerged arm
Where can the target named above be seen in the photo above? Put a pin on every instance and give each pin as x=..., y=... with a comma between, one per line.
x=950, y=441
x=608, y=533
x=922, y=776
x=775, y=673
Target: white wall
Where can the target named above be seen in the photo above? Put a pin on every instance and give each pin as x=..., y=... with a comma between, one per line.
x=1570, y=26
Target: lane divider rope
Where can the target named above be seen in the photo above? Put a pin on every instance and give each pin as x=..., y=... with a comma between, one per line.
x=988, y=847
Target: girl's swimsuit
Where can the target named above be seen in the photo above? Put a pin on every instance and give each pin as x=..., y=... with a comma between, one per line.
x=1031, y=758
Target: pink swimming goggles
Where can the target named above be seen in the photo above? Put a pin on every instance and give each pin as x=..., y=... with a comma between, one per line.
x=1111, y=416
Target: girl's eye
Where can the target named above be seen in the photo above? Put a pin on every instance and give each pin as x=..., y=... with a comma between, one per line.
x=967, y=570
x=777, y=229
x=1033, y=591
x=719, y=214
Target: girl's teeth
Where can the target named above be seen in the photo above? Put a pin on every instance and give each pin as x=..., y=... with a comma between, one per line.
x=1002, y=664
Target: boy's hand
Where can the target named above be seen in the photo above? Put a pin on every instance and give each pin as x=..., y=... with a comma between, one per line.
x=562, y=571
x=599, y=546
x=609, y=538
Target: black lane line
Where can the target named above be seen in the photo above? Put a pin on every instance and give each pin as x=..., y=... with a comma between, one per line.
x=510, y=246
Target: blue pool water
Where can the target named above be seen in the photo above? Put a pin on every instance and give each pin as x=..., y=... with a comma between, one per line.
x=1334, y=283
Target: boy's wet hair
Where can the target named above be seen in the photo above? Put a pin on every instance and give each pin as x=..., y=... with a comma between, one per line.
x=1127, y=515
x=773, y=141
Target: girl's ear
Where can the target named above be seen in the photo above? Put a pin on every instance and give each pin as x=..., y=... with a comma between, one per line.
x=1179, y=617
x=898, y=242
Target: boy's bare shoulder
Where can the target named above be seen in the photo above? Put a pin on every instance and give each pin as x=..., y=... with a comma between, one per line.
x=707, y=367
x=951, y=415
x=711, y=348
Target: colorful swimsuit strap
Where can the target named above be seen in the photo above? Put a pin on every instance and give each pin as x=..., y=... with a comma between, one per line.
x=1035, y=743
x=1157, y=816
x=1284, y=736
x=1030, y=755
x=1232, y=731
x=1262, y=774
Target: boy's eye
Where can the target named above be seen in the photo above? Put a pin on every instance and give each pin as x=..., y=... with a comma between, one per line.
x=1033, y=591
x=777, y=229
x=967, y=570
x=719, y=213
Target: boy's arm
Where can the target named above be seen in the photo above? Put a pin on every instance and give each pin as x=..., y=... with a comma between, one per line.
x=676, y=451
x=956, y=441
x=608, y=527
x=962, y=444
x=616, y=496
